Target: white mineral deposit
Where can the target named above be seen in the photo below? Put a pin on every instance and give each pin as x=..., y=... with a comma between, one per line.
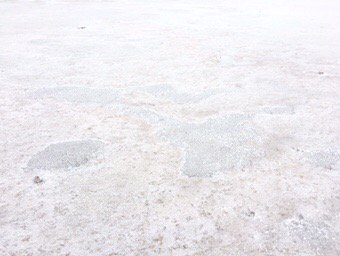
x=170, y=127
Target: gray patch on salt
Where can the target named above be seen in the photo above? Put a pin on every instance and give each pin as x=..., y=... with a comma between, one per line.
x=221, y=144
x=317, y=235
x=65, y=155
x=218, y=145
x=325, y=159
x=279, y=110
x=170, y=93
x=104, y=96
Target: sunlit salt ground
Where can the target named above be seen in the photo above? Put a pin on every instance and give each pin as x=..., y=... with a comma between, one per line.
x=169, y=128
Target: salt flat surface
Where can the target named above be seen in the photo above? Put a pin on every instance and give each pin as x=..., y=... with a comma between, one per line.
x=170, y=127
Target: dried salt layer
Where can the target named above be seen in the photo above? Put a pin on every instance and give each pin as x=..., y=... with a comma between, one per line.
x=246, y=88
x=65, y=155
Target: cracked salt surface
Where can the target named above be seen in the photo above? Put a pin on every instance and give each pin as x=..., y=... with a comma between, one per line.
x=217, y=145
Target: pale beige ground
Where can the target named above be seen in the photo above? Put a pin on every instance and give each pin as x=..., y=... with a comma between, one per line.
x=219, y=122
